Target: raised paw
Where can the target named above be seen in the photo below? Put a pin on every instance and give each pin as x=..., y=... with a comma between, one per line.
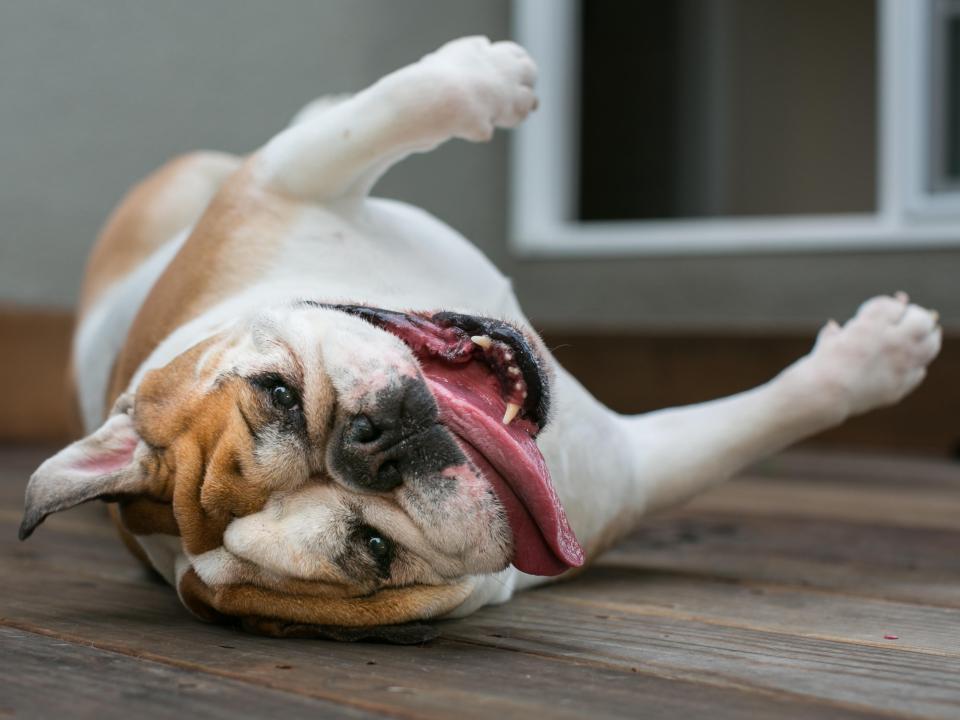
x=488, y=85
x=879, y=356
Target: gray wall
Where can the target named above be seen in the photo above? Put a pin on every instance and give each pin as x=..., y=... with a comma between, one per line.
x=94, y=94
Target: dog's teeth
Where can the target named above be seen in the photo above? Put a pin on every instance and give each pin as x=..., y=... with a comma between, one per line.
x=513, y=370
x=483, y=341
x=512, y=410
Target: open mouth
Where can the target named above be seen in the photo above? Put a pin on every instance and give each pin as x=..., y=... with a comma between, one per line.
x=492, y=394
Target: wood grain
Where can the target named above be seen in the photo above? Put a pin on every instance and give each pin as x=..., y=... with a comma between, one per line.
x=115, y=609
x=844, y=673
x=43, y=677
x=677, y=622
x=914, y=565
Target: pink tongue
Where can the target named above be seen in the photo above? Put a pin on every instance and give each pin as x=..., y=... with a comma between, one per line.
x=544, y=543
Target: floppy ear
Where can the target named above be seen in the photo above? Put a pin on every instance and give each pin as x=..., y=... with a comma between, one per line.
x=108, y=463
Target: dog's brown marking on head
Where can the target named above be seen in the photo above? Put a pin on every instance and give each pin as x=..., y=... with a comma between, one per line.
x=205, y=444
x=201, y=429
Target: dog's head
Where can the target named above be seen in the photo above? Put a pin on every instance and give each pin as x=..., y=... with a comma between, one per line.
x=331, y=466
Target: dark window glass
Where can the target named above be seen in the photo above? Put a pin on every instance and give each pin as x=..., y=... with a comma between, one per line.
x=724, y=108
x=952, y=91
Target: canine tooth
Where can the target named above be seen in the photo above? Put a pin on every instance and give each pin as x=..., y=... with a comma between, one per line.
x=512, y=410
x=483, y=341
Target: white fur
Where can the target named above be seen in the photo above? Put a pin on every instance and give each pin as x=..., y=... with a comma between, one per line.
x=102, y=331
x=608, y=469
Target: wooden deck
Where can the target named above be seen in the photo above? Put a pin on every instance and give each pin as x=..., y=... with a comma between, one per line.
x=816, y=586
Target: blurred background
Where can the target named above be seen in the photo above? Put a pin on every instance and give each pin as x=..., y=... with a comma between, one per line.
x=705, y=183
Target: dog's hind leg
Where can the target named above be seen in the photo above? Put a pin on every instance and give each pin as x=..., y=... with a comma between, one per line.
x=465, y=89
x=612, y=469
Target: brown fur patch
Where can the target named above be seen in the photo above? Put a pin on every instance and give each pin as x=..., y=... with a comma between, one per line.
x=146, y=516
x=386, y=607
x=201, y=444
x=153, y=212
x=205, y=444
x=242, y=224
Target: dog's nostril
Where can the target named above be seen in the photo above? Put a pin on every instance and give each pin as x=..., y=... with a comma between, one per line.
x=362, y=430
x=388, y=476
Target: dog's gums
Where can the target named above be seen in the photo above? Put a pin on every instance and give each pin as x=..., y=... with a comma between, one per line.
x=493, y=395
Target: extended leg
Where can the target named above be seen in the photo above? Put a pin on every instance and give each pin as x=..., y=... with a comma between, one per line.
x=465, y=89
x=613, y=469
x=874, y=360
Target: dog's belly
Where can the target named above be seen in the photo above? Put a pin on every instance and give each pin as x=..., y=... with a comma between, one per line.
x=390, y=255
x=384, y=253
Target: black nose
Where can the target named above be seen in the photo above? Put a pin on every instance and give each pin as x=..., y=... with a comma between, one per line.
x=397, y=439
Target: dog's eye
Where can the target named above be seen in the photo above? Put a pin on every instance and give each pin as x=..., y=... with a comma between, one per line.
x=379, y=548
x=283, y=397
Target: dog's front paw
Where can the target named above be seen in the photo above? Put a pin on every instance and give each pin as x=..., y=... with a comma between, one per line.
x=879, y=356
x=487, y=85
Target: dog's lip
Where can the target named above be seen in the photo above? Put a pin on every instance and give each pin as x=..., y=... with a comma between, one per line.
x=508, y=458
x=450, y=337
x=468, y=386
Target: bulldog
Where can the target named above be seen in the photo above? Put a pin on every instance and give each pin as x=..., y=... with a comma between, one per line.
x=318, y=413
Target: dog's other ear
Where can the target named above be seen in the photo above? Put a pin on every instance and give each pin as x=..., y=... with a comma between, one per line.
x=111, y=462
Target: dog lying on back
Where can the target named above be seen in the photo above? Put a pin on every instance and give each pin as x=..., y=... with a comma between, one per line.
x=320, y=413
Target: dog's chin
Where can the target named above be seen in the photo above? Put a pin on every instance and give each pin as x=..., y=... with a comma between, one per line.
x=491, y=387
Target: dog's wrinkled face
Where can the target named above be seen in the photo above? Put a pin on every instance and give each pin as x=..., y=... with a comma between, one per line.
x=332, y=465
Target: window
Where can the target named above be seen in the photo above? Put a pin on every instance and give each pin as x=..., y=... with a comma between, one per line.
x=944, y=167
x=678, y=126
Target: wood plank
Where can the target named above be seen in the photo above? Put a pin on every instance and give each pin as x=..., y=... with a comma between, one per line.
x=99, y=605
x=915, y=565
x=852, y=675
x=571, y=649
x=767, y=607
x=479, y=678
x=101, y=598
x=911, y=507
x=43, y=677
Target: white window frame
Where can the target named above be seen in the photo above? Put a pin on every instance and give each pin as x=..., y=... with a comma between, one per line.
x=909, y=214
